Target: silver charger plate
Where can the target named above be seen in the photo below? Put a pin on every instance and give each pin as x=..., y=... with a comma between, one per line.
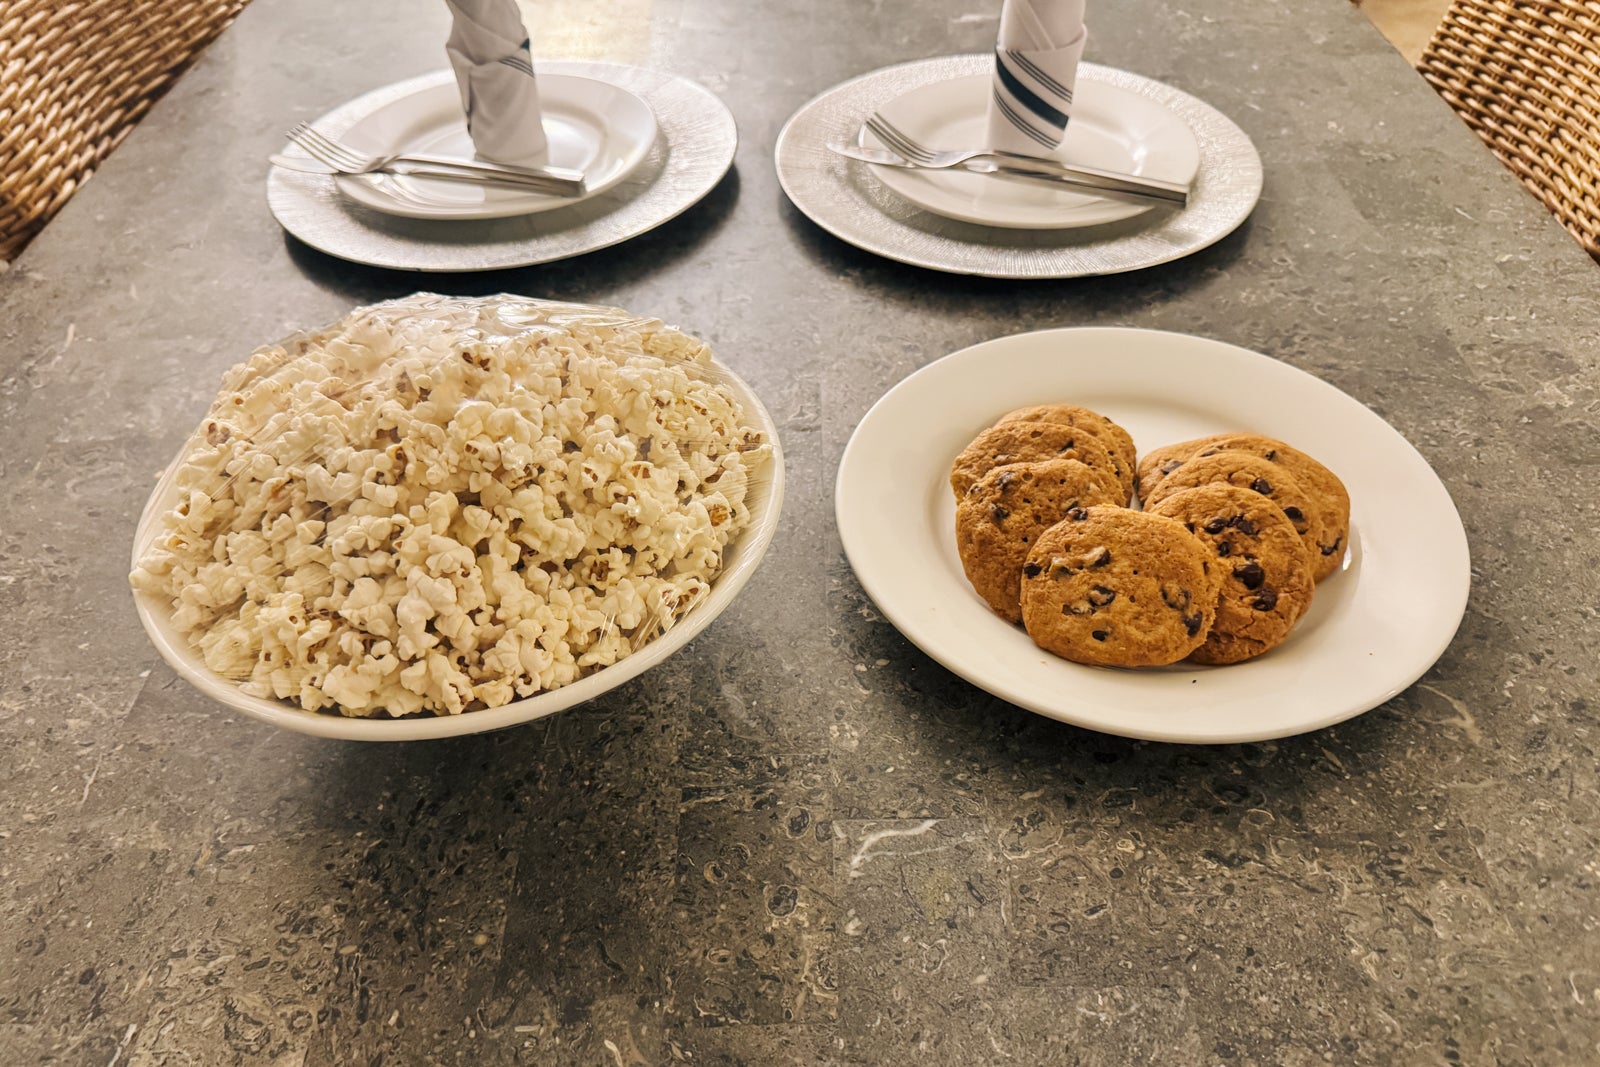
x=844, y=198
x=695, y=142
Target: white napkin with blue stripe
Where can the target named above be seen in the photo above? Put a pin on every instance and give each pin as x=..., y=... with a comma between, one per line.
x=490, y=52
x=1035, y=68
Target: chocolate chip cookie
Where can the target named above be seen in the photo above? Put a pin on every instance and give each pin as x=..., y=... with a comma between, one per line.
x=1006, y=510
x=1157, y=463
x=1328, y=496
x=1248, y=472
x=1027, y=442
x=1329, y=499
x=1264, y=565
x=1116, y=587
x=1117, y=440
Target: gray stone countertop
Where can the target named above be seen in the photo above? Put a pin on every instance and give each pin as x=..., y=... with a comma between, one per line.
x=665, y=875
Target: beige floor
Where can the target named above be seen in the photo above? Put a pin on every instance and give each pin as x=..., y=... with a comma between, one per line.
x=1407, y=23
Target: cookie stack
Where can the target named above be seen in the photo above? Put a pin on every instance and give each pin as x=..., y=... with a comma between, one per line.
x=1218, y=567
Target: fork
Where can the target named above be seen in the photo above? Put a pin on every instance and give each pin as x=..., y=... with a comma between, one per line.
x=341, y=157
x=1109, y=181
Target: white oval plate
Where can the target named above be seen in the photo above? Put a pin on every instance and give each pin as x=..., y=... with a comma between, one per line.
x=1372, y=629
x=1111, y=129
x=592, y=126
x=739, y=563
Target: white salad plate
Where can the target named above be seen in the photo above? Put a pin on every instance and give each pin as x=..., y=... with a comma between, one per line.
x=591, y=126
x=740, y=560
x=1112, y=128
x=1373, y=628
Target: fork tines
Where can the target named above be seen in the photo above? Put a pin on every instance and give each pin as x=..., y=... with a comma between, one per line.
x=325, y=149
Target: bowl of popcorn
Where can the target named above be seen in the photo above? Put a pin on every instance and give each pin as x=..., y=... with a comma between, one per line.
x=447, y=515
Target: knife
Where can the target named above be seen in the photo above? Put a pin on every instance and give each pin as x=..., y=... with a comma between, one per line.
x=446, y=171
x=1087, y=180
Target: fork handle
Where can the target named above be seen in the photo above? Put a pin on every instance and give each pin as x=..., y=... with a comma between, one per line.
x=1140, y=189
x=1132, y=194
x=572, y=179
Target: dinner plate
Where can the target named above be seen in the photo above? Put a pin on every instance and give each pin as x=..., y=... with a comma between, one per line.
x=692, y=150
x=740, y=560
x=1112, y=128
x=849, y=200
x=1373, y=628
x=591, y=126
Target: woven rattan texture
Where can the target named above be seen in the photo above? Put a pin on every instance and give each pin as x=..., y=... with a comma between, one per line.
x=75, y=76
x=1526, y=77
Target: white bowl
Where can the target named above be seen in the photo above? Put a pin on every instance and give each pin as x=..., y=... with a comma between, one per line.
x=739, y=563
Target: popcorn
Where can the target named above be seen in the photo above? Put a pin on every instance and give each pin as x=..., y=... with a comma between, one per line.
x=439, y=505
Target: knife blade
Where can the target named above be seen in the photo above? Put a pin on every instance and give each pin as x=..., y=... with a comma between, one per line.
x=1088, y=181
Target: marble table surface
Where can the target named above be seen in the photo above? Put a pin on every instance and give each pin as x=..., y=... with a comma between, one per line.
x=800, y=840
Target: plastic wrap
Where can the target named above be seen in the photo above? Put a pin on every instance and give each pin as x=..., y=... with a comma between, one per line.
x=439, y=505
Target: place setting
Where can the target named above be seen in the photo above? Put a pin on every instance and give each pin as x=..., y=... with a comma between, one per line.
x=1025, y=163
x=499, y=161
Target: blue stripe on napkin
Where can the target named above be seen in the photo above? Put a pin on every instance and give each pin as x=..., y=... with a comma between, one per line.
x=1021, y=123
x=1025, y=96
x=1039, y=75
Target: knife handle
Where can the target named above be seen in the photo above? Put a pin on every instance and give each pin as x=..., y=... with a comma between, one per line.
x=499, y=170
x=1093, y=178
x=1099, y=183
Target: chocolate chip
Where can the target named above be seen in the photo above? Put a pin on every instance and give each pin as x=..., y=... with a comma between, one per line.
x=1099, y=635
x=1192, y=623
x=1272, y=454
x=1266, y=600
x=999, y=513
x=1225, y=548
x=1004, y=481
x=1171, y=465
x=1244, y=526
x=1262, y=486
x=1100, y=557
x=1328, y=550
x=1250, y=575
x=1100, y=596
x=1077, y=514
x=1216, y=526
x=1032, y=570
x=1176, y=597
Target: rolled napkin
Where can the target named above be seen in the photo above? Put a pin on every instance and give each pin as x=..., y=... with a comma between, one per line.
x=489, y=49
x=1035, y=67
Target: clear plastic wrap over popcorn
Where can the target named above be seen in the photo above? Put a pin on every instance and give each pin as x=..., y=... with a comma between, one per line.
x=441, y=504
